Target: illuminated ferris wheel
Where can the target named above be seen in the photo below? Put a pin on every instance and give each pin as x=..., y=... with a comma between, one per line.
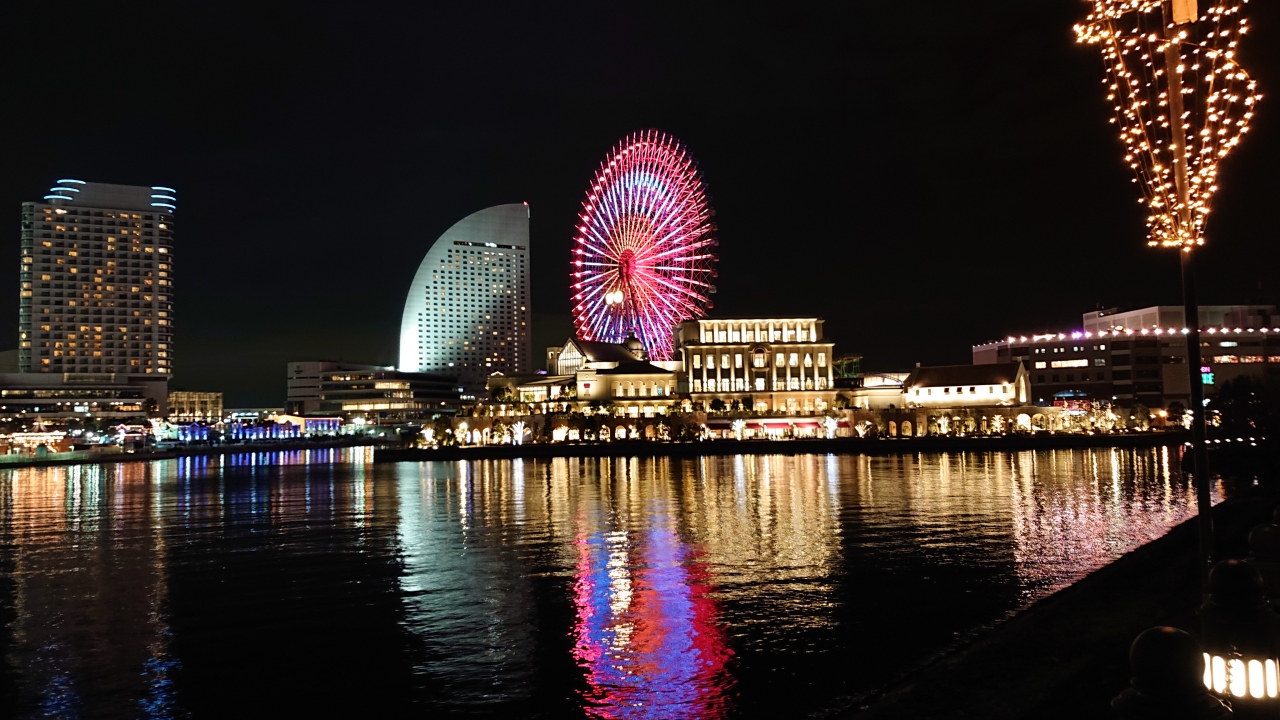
x=644, y=257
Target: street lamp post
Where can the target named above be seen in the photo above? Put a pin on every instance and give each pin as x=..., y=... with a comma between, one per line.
x=1182, y=103
x=1190, y=306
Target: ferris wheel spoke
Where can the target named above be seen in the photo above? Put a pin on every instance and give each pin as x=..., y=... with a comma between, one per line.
x=644, y=236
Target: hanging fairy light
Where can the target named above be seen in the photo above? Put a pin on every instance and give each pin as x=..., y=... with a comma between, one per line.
x=1181, y=100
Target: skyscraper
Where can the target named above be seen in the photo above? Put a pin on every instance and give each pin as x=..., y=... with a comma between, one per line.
x=467, y=313
x=97, y=280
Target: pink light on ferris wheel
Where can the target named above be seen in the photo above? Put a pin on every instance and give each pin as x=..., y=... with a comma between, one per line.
x=644, y=255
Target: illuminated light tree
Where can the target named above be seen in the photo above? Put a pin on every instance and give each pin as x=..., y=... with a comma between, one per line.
x=644, y=256
x=1182, y=102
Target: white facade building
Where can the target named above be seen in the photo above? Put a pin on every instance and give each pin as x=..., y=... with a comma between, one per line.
x=97, y=281
x=467, y=313
x=768, y=365
x=967, y=386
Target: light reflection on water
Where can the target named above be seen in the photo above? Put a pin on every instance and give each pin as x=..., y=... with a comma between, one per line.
x=718, y=587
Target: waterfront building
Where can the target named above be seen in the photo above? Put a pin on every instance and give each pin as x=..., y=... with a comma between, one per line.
x=576, y=354
x=251, y=415
x=303, y=380
x=79, y=396
x=967, y=386
x=592, y=374
x=634, y=389
x=467, y=313
x=188, y=406
x=374, y=394
x=875, y=391
x=97, y=281
x=766, y=365
x=1139, y=356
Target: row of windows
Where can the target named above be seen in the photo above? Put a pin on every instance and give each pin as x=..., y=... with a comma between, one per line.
x=972, y=390
x=758, y=360
x=759, y=385
x=50, y=211
x=1235, y=359
x=641, y=390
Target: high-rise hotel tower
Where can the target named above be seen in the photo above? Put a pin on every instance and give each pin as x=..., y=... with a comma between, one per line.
x=467, y=313
x=97, y=280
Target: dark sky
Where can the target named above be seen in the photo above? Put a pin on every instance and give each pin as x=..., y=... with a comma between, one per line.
x=925, y=175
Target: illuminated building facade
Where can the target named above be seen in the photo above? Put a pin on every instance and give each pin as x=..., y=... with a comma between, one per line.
x=303, y=381
x=387, y=396
x=635, y=389
x=1139, y=356
x=66, y=396
x=598, y=372
x=188, y=406
x=577, y=354
x=967, y=386
x=97, y=281
x=467, y=312
x=767, y=365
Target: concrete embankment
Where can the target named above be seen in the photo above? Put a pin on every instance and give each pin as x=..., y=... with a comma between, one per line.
x=1067, y=655
x=850, y=446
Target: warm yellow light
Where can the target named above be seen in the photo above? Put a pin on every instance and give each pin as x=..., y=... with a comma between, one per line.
x=1241, y=678
x=1216, y=94
x=1219, y=674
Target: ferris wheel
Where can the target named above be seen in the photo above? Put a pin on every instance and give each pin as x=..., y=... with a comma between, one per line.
x=644, y=256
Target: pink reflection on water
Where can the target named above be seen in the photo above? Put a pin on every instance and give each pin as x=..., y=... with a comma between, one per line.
x=648, y=634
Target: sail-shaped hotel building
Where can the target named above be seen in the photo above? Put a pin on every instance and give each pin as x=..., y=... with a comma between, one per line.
x=468, y=311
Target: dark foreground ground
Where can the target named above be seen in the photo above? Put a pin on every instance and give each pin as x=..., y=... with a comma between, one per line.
x=1067, y=655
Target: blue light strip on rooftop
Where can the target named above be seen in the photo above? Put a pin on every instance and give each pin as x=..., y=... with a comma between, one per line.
x=171, y=207
x=56, y=197
x=161, y=187
x=60, y=189
x=164, y=197
x=78, y=182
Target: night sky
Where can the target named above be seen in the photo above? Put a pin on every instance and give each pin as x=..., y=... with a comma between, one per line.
x=924, y=175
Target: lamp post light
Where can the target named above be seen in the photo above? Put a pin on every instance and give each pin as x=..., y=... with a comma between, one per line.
x=1167, y=664
x=1182, y=103
x=1239, y=638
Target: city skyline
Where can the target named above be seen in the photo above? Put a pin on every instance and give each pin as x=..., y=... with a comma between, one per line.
x=855, y=173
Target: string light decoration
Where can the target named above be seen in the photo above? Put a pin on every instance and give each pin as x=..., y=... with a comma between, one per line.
x=643, y=259
x=1181, y=100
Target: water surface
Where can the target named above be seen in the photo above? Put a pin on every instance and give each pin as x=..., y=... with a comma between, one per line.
x=318, y=583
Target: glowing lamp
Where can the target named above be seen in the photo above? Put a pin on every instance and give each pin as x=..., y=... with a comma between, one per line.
x=1240, y=633
x=1166, y=664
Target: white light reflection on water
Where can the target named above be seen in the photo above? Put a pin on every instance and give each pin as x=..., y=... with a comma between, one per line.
x=716, y=587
